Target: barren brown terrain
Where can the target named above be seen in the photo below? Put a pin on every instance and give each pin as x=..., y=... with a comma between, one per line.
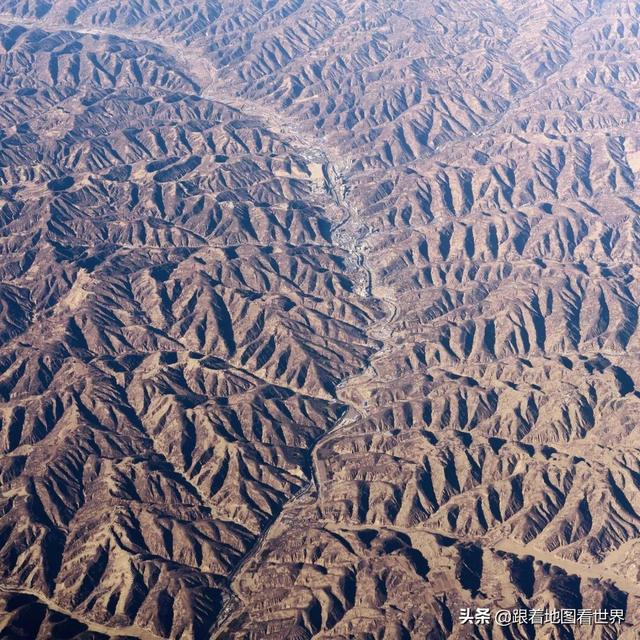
x=318, y=319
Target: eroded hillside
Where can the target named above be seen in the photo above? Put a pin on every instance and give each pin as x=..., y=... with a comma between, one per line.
x=318, y=319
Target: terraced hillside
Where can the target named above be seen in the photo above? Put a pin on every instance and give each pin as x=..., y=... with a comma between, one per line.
x=318, y=319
